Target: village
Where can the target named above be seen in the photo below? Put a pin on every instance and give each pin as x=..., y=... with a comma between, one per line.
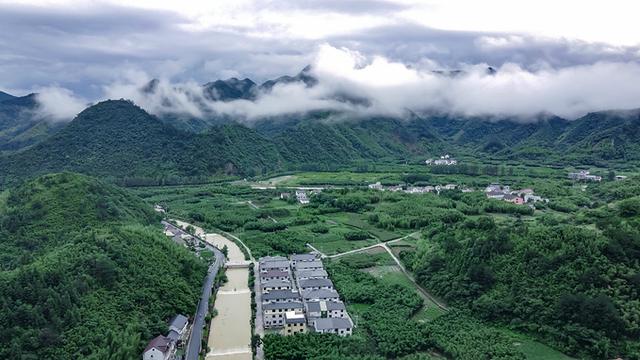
x=297, y=296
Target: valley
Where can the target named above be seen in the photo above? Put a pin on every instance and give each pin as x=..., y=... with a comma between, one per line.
x=404, y=225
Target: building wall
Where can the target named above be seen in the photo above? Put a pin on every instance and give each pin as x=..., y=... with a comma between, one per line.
x=153, y=354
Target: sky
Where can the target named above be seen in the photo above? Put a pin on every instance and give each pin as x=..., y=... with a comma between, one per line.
x=563, y=57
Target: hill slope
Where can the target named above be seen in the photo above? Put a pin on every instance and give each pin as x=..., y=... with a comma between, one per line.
x=20, y=124
x=105, y=282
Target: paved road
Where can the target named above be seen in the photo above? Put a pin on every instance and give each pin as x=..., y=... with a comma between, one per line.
x=195, y=339
x=369, y=247
x=259, y=321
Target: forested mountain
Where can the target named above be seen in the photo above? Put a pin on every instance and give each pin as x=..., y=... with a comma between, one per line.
x=20, y=124
x=86, y=271
x=118, y=139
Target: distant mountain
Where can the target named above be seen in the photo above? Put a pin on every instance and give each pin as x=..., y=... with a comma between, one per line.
x=4, y=96
x=305, y=77
x=230, y=89
x=86, y=271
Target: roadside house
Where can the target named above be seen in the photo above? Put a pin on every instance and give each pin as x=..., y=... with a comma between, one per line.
x=159, y=348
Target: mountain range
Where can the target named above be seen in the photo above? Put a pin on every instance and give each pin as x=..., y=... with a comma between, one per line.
x=118, y=139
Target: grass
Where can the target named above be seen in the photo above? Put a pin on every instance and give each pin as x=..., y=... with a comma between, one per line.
x=358, y=221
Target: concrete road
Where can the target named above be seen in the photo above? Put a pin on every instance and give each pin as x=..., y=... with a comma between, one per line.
x=195, y=340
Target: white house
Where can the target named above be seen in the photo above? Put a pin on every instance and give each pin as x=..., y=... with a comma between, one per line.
x=273, y=313
x=340, y=326
x=159, y=348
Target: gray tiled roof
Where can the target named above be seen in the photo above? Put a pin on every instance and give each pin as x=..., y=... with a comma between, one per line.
x=311, y=283
x=178, y=322
x=303, y=257
x=311, y=273
x=282, y=305
x=320, y=294
x=309, y=265
x=267, y=259
x=275, y=264
x=314, y=306
x=280, y=294
x=332, y=323
x=272, y=283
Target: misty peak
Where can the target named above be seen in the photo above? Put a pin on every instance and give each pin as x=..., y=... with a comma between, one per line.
x=4, y=96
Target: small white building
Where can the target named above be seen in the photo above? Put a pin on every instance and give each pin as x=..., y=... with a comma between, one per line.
x=160, y=348
x=340, y=326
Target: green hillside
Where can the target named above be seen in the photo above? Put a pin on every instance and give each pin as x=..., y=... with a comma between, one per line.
x=118, y=140
x=20, y=124
x=86, y=271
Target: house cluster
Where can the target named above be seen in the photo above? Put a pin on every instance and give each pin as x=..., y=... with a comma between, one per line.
x=179, y=236
x=518, y=197
x=444, y=160
x=164, y=347
x=298, y=296
x=412, y=189
x=584, y=175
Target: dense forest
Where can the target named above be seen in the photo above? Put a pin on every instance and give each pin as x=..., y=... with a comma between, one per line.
x=575, y=285
x=85, y=271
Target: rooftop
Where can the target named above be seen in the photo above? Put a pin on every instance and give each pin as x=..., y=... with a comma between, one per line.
x=309, y=283
x=311, y=273
x=275, y=264
x=282, y=305
x=309, y=265
x=160, y=342
x=303, y=257
x=332, y=323
x=280, y=294
x=320, y=294
x=178, y=321
x=317, y=306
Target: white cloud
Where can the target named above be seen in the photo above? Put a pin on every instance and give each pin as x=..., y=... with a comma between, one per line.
x=392, y=88
x=58, y=104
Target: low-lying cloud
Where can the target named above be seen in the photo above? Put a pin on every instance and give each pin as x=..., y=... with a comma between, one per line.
x=357, y=85
x=58, y=104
